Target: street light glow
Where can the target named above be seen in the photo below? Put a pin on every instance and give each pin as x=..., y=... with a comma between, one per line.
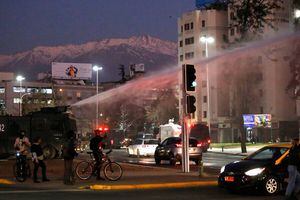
x=20, y=78
x=205, y=39
x=297, y=13
x=96, y=68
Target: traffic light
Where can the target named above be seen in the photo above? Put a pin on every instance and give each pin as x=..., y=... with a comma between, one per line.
x=190, y=104
x=190, y=77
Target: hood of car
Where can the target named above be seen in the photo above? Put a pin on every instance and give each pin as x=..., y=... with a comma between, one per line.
x=245, y=165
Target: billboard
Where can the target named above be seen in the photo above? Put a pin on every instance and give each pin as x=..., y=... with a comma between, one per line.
x=75, y=71
x=257, y=120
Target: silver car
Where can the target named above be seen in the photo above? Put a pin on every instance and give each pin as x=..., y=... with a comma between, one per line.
x=171, y=149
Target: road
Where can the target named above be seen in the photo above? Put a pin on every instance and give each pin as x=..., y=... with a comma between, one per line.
x=212, y=160
x=211, y=193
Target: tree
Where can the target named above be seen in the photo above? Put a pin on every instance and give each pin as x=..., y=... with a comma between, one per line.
x=163, y=108
x=251, y=16
x=241, y=90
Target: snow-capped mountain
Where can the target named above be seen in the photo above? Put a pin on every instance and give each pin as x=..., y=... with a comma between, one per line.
x=110, y=53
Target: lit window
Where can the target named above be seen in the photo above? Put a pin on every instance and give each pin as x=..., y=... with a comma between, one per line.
x=32, y=90
x=18, y=89
x=2, y=90
x=46, y=90
x=17, y=100
x=78, y=94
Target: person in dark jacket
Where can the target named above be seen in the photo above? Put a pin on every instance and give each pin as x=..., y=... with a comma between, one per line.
x=294, y=176
x=97, y=145
x=38, y=159
x=69, y=153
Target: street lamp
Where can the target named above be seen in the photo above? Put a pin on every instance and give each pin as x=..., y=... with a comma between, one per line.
x=96, y=69
x=20, y=78
x=207, y=40
x=297, y=13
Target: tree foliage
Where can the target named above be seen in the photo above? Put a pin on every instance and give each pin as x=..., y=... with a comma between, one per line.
x=251, y=16
x=163, y=108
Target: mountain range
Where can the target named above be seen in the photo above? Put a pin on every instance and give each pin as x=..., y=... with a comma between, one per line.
x=154, y=53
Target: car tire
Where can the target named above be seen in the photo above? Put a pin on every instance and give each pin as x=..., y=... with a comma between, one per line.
x=172, y=159
x=271, y=185
x=157, y=161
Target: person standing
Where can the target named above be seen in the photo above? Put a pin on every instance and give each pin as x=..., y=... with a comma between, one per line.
x=294, y=176
x=68, y=154
x=38, y=160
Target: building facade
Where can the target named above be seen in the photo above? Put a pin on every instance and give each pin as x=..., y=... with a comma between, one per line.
x=264, y=74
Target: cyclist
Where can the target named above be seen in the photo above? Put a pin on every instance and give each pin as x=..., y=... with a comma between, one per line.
x=97, y=145
x=22, y=146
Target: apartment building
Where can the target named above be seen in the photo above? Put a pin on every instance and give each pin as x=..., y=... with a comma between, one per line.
x=218, y=80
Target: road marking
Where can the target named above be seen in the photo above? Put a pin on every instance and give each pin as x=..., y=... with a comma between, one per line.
x=152, y=186
x=6, y=182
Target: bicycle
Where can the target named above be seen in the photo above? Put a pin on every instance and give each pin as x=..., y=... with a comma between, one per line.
x=21, y=168
x=111, y=170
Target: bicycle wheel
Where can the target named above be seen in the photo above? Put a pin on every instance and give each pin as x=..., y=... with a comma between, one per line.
x=113, y=171
x=84, y=170
x=19, y=173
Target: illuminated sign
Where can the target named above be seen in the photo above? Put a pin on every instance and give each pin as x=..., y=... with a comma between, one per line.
x=257, y=120
x=82, y=71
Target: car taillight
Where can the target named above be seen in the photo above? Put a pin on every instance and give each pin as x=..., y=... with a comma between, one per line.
x=199, y=144
x=178, y=145
x=208, y=141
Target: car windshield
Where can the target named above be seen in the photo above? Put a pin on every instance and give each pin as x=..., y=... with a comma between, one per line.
x=138, y=142
x=268, y=153
x=151, y=142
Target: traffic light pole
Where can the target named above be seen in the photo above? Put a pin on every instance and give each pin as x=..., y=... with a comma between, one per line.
x=184, y=135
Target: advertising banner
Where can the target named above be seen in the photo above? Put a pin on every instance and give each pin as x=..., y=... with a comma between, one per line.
x=75, y=71
x=257, y=120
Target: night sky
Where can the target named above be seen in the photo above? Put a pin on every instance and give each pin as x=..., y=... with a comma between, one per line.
x=25, y=24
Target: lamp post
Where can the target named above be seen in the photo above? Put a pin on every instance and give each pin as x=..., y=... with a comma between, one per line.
x=206, y=41
x=96, y=69
x=20, y=78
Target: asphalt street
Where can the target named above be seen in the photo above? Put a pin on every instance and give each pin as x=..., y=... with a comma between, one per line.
x=211, y=193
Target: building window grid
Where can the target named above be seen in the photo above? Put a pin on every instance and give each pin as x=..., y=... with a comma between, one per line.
x=189, y=41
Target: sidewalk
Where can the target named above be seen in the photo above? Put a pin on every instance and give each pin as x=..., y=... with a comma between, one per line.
x=236, y=150
x=134, y=177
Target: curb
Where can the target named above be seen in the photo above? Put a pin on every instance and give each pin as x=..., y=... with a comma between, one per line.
x=152, y=186
x=6, y=182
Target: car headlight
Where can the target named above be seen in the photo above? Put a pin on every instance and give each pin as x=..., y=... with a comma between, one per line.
x=254, y=172
x=222, y=169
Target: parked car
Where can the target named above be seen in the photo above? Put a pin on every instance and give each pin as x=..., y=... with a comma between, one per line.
x=142, y=147
x=171, y=149
x=265, y=169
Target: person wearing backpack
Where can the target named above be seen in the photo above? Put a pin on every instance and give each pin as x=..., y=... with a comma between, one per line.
x=97, y=145
x=68, y=154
